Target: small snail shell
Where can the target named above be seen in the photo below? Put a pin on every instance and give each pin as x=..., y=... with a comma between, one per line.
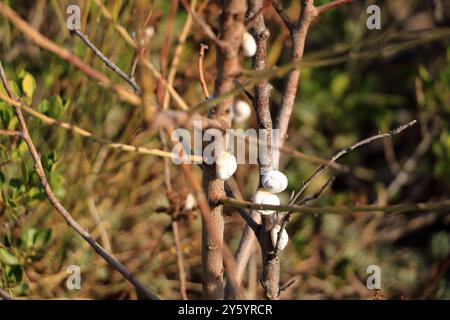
x=274, y=236
x=226, y=165
x=190, y=202
x=248, y=45
x=241, y=111
x=274, y=181
x=265, y=197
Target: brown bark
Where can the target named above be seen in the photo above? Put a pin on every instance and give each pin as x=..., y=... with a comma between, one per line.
x=232, y=31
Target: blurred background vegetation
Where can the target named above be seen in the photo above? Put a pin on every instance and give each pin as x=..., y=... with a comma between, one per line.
x=388, y=77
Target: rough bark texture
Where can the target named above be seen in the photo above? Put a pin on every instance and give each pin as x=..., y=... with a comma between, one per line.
x=232, y=31
x=261, y=103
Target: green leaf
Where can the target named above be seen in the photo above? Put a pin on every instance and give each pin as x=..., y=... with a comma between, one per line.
x=56, y=106
x=15, y=183
x=7, y=258
x=28, y=238
x=53, y=107
x=5, y=114
x=42, y=238
x=35, y=193
x=28, y=85
x=25, y=173
x=44, y=107
x=14, y=273
x=339, y=84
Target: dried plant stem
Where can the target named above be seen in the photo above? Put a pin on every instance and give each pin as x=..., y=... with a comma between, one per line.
x=175, y=229
x=84, y=133
x=201, y=75
x=11, y=133
x=177, y=54
x=63, y=53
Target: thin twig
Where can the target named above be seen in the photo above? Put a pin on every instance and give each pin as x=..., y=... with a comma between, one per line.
x=318, y=194
x=390, y=209
x=206, y=28
x=279, y=8
x=201, y=75
x=287, y=217
x=178, y=99
x=287, y=285
x=250, y=22
x=328, y=6
x=323, y=167
x=84, y=133
x=11, y=133
x=66, y=55
x=39, y=169
x=176, y=57
x=108, y=62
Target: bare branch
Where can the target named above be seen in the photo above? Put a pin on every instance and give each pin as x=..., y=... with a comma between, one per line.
x=206, y=28
x=108, y=62
x=177, y=54
x=323, y=167
x=318, y=194
x=279, y=8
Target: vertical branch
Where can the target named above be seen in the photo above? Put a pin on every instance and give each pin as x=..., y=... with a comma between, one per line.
x=270, y=278
x=298, y=34
x=261, y=103
x=232, y=30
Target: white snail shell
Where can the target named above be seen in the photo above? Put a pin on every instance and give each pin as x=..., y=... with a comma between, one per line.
x=283, y=237
x=190, y=203
x=265, y=197
x=226, y=165
x=241, y=111
x=274, y=181
x=248, y=45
